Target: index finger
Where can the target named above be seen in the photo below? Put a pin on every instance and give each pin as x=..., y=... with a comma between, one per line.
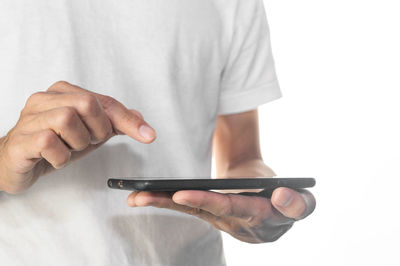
x=123, y=120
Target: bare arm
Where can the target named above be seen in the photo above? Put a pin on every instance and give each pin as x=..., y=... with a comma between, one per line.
x=237, y=145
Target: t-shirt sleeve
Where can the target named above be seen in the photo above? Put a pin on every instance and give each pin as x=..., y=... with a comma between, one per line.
x=249, y=78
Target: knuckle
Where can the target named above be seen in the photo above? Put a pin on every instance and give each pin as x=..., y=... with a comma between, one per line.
x=109, y=132
x=84, y=141
x=59, y=84
x=35, y=98
x=130, y=118
x=80, y=147
x=62, y=160
x=88, y=104
x=137, y=113
x=87, y=137
x=84, y=145
x=104, y=134
x=108, y=102
x=66, y=117
x=47, y=139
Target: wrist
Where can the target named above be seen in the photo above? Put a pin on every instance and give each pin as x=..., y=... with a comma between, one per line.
x=250, y=167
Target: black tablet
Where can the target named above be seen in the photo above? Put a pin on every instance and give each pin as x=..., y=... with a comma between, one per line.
x=209, y=184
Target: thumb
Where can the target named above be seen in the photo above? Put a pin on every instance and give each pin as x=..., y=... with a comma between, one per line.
x=293, y=204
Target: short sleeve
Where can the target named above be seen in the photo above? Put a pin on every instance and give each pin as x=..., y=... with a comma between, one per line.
x=249, y=77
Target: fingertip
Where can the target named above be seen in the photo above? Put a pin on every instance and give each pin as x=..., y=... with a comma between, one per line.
x=127, y=122
x=131, y=200
x=301, y=205
x=179, y=198
x=143, y=200
x=147, y=133
x=191, y=198
x=180, y=201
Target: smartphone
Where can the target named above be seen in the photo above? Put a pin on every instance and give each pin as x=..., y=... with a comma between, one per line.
x=209, y=184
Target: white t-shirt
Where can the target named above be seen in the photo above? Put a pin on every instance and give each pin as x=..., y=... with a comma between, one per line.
x=180, y=63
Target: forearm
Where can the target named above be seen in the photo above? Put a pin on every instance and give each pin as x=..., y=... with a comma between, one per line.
x=236, y=141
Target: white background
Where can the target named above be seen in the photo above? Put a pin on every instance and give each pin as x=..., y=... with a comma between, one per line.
x=338, y=63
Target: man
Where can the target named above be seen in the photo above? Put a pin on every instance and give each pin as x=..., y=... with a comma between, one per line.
x=181, y=70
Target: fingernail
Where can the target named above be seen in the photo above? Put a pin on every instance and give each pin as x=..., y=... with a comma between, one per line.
x=146, y=132
x=284, y=198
